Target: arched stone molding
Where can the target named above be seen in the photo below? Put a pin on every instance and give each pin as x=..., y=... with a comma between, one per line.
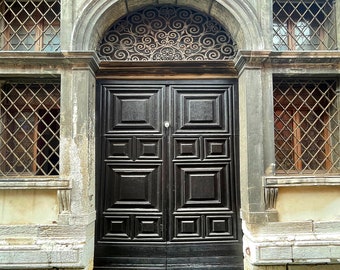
x=236, y=16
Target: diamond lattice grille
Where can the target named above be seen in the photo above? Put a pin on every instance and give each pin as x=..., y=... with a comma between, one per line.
x=306, y=121
x=304, y=25
x=30, y=25
x=29, y=131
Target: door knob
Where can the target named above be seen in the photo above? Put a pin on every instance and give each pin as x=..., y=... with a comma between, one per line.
x=166, y=124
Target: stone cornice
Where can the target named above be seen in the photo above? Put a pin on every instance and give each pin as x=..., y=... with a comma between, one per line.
x=50, y=61
x=290, y=60
x=165, y=68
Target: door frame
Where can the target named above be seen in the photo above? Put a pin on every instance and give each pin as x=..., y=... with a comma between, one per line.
x=235, y=123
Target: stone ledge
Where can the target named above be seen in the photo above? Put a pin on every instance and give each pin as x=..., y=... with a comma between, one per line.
x=50, y=60
x=292, y=252
x=272, y=184
x=44, y=253
x=34, y=183
x=19, y=259
x=280, y=243
x=300, y=181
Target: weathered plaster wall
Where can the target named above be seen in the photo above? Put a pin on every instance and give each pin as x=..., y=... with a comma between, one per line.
x=308, y=203
x=28, y=207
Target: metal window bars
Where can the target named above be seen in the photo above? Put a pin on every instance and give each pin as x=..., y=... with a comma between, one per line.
x=30, y=25
x=29, y=129
x=306, y=125
x=304, y=25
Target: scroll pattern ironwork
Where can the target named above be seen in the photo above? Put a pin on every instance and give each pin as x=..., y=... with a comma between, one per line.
x=167, y=33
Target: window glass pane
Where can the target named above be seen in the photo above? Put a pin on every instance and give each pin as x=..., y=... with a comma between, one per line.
x=280, y=36
x=23, y=40
x=51, y=40
x=303, y=36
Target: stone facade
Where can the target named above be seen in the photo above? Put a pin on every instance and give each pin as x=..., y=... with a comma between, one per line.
x=49, y=222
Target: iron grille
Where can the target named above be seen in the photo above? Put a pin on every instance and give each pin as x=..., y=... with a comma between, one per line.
x=167, y=33
x=306, y=124
x=304, y=25
x=29, y=130
x=30, y=25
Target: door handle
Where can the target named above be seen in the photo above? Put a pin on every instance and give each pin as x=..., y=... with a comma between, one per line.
x=166, y=124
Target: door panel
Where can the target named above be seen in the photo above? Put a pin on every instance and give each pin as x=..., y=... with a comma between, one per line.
x=136, y=109
x=204, y=177
x=132, y=188
x=167, y=184
x=201, y=109
x=200, y=187
x=130, y=204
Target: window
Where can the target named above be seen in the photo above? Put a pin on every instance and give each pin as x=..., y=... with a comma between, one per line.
x=30, y=25
x=29, y=131
x=304, y=25
x=306, y=124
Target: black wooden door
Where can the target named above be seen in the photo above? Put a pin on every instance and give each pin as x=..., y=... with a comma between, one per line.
x=167, y=185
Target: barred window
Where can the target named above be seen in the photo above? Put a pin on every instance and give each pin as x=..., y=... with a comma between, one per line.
x=306, y=124
x=30, y=25
x=304, y=25
x=29, y=130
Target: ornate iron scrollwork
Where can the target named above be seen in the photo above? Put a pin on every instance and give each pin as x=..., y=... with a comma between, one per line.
x=166, y=33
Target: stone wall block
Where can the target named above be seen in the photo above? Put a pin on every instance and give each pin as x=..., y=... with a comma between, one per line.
x=57, y=231
x=136, y=4
x=32, y=257
x=327, y=227
x=286, y=228
x=278, y=254
x=311, y=254
x=200, y=5
x=313, y=267
x=335, y=254
x=18, y=230
x=167, y=1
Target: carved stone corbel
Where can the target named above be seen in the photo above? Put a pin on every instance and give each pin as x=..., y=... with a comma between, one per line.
x=64, y=200
x=270, y=197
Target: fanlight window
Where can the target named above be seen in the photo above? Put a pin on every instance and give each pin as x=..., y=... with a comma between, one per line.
x=166, y=33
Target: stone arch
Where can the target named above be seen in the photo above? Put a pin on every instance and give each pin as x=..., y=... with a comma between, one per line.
x=97, y=16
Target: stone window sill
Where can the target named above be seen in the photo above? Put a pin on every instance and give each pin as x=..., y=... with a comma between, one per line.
x=34, y=183
x=289, y=181
x=272, y=184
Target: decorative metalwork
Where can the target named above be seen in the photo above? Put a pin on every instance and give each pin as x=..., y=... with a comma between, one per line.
x=167, y=33
x=29, y=129
x=30, y=25
x=307, y=126
x=304, y=25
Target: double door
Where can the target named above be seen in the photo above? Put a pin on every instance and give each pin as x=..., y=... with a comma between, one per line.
x=167, y=182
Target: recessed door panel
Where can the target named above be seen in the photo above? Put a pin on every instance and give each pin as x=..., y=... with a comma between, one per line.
x=133, y=109
x=201, y=186
x=134, y=187
x=201, y=108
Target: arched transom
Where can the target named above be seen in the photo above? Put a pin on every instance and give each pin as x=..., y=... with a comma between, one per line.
x=166, y=33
